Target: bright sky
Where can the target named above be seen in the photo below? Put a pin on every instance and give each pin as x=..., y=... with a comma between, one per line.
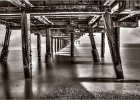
x=128, y=35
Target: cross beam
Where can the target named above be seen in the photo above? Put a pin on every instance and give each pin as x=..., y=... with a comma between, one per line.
x=128, y=16
x=56, y=14
x=45, y=9
x=6, y=23
x=40, y=18
x=94, y=20
x=109, y=2
x=19, y=3
x=43, y=27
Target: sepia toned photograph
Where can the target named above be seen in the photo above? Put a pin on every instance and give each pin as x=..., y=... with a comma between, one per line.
x=70, y=49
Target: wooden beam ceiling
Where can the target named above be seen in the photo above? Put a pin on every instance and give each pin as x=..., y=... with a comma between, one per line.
x=41, y=11
x=58, y=12
x=42, y=19
x=26, y=4
x=56, y=8
x=66, y=2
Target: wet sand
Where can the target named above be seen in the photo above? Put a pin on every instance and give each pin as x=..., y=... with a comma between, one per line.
x=71, y=78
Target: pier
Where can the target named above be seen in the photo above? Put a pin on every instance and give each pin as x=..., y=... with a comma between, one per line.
x=64, y=24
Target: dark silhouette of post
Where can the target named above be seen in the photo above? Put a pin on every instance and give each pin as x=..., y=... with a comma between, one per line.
x=64, y=43
x=52, y=45
x=102, y=44
x=55, y=44
x=48, y=45
x=93, y=45
x=58, y=44
x=5, y=51
x=72, y=44
x=39, y=44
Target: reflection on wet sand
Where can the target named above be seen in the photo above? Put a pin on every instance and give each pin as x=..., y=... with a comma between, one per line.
x=67, y=77
x=6, y=80
x=28, y=89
